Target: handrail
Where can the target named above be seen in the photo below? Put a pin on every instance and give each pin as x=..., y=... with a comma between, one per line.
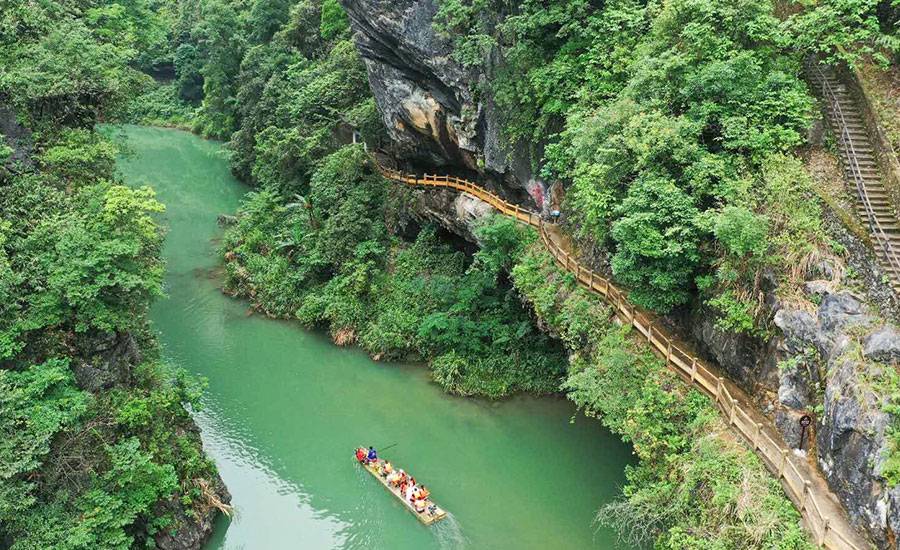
x=777, y=458
x=853, y=164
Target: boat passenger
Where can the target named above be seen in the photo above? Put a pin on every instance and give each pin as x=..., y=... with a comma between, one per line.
x=372, y=456
x=420, y=506
x=423, y=493
x=361, y=455
x=403, y=487
x=388, y=468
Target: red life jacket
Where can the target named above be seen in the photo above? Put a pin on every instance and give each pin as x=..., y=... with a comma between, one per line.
x=360, y=454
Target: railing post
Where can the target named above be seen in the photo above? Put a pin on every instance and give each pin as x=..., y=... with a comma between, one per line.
x=693, y=369
x=758, y=436
x=824, y=531
x=731, y=412
x=718, y=386
x=784, y=459
x=803, y=500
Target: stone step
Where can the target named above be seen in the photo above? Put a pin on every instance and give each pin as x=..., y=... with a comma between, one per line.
x=876, y=202
x=887, y=220
x=865, y=155
x=863, y=163
x=858, y=137
x=876, y=191
x=887, y=265
x=867, y=174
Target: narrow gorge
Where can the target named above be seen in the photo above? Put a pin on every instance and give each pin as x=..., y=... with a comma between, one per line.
x=611, y=274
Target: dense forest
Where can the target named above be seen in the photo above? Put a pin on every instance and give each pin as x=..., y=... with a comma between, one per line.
x=98, y=449
x=679, y=129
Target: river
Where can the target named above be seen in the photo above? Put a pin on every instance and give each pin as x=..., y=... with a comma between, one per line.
x=284, y=409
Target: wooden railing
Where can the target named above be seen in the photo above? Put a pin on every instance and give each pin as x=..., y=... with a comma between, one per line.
x=829, y=526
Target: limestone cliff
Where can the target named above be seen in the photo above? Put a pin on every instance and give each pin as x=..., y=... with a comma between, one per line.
x=433, y=108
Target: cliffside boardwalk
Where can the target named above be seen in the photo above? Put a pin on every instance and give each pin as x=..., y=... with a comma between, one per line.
x=823, y=515
x=873, y=202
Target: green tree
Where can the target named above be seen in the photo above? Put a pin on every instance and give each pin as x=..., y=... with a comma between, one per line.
x=657, y=238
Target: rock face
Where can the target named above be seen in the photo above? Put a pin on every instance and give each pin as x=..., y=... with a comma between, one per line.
x=108, y=359
x=831, y=356
x=190, y=531
x=741, y=356
x=15, y=136
x=428, y=101
x=455, y=212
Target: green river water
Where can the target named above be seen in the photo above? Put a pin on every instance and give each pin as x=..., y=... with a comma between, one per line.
x=285, y=408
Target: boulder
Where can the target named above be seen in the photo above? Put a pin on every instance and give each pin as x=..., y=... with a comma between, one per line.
x=842, y=310
x=818, y=288
x=883, y=345
x=797, y=388
x=799, y=329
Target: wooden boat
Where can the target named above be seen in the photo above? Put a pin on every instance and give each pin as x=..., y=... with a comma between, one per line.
x=432, y=514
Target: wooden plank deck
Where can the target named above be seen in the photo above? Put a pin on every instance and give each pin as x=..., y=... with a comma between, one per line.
x=425, y=517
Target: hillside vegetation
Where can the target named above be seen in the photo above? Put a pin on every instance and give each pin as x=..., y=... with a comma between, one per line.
x=98, y=450
x=675, y=124
x=681, y=163
x=677, y=128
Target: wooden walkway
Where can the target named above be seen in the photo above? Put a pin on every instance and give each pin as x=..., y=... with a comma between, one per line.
x=822, y=513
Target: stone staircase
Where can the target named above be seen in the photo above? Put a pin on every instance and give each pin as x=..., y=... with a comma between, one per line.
x=861, y=170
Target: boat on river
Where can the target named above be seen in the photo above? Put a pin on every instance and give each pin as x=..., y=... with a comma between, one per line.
x=432, y=514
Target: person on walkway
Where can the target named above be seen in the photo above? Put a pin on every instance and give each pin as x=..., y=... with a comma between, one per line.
x=361, y=455
x=372, y=456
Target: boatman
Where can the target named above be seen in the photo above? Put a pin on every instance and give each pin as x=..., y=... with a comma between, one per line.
x=373, y=456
